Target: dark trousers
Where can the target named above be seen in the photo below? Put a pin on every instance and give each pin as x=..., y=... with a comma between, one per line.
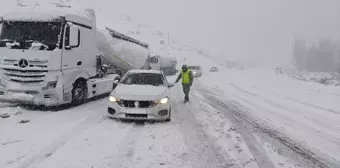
x=186, y=90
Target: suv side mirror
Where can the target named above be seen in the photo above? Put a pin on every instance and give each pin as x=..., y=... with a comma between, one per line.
x=170, y=85
x=116, y=81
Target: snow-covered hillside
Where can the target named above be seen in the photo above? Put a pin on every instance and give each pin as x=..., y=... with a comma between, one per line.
x=332, y=79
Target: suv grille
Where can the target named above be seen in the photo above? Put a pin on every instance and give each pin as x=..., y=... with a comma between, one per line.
x=131, y=103
x=137, y=115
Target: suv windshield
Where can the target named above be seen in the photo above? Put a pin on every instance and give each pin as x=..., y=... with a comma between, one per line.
x=24, y=34
x=143, y=79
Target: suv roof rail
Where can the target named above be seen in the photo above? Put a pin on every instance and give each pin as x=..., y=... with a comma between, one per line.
x=127, y=38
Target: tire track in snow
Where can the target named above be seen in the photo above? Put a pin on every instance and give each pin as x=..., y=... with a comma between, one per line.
x=246, y=124
x=202, y=150
x=49, y=150
x=127, y=148
x=284, y=97
x=255, y=148
x=327, y=132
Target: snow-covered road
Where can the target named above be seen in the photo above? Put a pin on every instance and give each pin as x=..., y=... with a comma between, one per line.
x=202, y=134
x=85, y=137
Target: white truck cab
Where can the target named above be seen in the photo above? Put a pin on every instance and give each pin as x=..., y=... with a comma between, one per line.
x=49, y=57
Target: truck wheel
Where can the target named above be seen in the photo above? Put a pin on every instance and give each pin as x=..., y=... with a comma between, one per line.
x=79, y=93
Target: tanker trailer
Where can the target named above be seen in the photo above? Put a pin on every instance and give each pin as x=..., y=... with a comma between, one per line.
x=122, y=52
x=167, y=64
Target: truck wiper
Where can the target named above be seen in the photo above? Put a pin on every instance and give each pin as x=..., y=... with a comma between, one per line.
x=36, y=45
x=3, y=42
x=11, y=43
x=6, y=40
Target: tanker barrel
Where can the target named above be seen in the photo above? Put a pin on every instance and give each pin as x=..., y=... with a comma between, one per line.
x=123, y=54
x=116, y=34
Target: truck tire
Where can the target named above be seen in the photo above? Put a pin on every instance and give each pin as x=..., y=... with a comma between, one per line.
x=79, y=92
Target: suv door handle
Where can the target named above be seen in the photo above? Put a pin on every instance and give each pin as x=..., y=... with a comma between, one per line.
x=79, y=63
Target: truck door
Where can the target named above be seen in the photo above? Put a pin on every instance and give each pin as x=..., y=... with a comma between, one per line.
x=72, y=56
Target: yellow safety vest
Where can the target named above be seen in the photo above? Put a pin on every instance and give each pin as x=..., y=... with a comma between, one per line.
x=185, y=77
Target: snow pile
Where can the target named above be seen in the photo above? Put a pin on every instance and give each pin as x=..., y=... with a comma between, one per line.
x=319, y=77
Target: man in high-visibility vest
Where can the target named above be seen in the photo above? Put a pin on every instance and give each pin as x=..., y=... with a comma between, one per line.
x=187, y=80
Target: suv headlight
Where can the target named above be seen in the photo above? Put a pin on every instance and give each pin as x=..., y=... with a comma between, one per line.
x=162, y=101
x=113, y=99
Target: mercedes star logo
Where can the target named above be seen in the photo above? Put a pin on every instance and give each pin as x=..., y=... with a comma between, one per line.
x=136, y=103
x=23, y=63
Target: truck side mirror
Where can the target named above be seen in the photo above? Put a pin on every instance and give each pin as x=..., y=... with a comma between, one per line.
x=74, y=37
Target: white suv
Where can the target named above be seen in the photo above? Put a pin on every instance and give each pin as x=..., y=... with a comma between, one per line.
x=196, y=71
x=141, y=95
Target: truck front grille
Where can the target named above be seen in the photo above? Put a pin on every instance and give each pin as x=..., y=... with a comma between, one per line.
x=25, y=76
x=131, y=103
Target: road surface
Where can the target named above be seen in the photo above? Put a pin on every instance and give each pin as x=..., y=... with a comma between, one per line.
x=204, y=133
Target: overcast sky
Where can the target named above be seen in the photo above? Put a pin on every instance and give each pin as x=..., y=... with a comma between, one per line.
x=259, y=30
x=255, y=30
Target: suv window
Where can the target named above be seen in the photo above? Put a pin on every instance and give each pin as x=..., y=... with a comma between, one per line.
x=143, y=79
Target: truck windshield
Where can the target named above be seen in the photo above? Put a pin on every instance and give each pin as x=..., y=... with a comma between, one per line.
x=143, y=79
x=22, y=35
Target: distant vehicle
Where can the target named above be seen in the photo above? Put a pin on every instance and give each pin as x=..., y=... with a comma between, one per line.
x=141, y=95
x=196, y=71
x=167, y=64
x=213, y=69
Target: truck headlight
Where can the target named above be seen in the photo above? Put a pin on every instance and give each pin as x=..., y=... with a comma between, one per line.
x=113, y=99
x=50, y=85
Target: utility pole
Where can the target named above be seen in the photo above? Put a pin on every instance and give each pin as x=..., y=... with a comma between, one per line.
x=169, y=38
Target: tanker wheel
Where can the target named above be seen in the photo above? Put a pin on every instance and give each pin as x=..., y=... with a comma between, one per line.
x=79, y=92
